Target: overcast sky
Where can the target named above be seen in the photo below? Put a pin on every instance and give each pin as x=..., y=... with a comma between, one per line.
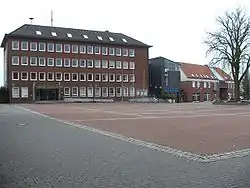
x=175, y=29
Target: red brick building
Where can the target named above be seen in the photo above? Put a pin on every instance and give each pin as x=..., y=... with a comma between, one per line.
x=203, y=83
x=51, y=63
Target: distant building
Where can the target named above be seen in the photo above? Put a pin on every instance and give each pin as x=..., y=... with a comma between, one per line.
x=51, y=63
x=203, y=83
x=164, y=74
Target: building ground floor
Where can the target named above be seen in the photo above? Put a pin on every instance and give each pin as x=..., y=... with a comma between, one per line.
x=27, y=93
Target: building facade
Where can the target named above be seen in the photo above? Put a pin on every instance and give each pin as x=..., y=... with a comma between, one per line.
x=202, y=83
x=51, y=63
x=164, y=74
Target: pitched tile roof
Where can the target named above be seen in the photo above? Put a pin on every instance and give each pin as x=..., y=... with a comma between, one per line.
x=223, y=74
x=45, y=32
x=195, y=71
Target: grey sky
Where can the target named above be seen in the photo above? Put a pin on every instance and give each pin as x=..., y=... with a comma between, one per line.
x=176, y=29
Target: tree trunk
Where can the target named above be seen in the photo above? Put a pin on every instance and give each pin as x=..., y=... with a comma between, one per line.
x=237, y=91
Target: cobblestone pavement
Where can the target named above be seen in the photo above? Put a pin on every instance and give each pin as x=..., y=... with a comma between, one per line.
x=39, y=152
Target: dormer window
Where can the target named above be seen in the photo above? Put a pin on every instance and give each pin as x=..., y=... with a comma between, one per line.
x=111, y=39
x=99, y=37
x=124, y=40
x=192, y=75
x=69, y=35
x=85, y=36
x=38, y=32
x=53, y=34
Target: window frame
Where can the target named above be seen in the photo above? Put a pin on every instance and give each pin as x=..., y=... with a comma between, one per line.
x=13, y=44
x=35, y=62
x=118, y=63
x=39, y=46
x=131, y=52
x=107, y=64
x=113, y=62
x=112, y=50
x=133, y=65
x=76, y=48
x=12, y=75
x=44, y=76
x=99, y=65
x=88, y=60
x=88, y=77
x=72, y=77
x=48, y=61
x=64, y=75
x=82, y=94
x=27, y=60
x=82, y=80
x=99, y=77
x=107, y=93
x=64, y=48
x=61, y=47
x=90, y=50
x=64, y=91
x=61, y=64
x=106, y=77
x=39, y=59
x=118, y=52
x=66, y=59
x=113, y=95
x=106, y=50
x=17, y=58
x=98, y=52
x=35, y=46
x=58, y=73
x=74, y=94
x=18, y=93
x=112, y=74
x=82, y=49
x=27, y=44
x=52, y=49
x=76, y=61
x=27, y=75
x=31, y=79
x=80, y=63
x=53, y=76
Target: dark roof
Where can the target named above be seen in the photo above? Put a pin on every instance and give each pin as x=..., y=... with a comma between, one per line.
x=29, y=31
x=163, y=58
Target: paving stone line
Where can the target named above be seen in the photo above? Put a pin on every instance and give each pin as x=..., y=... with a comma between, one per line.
x=157, y=147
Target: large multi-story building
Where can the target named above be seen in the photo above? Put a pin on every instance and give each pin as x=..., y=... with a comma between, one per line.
x=51, y=63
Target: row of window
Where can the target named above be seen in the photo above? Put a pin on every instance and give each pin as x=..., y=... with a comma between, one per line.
x=67, y=48
x=66, y=62
x=197, y=84
x=58, y=76
x=83, y=92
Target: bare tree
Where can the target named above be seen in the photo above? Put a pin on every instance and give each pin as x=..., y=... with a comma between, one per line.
x=230, y=45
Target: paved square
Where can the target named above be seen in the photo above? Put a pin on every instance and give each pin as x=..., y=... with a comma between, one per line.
x=200, y=128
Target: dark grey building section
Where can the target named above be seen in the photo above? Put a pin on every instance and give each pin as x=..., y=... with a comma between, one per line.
x=164, y=74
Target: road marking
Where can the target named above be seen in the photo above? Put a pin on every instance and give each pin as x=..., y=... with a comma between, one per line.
x=156, y=147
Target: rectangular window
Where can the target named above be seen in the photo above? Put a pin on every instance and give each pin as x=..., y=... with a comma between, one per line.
x=118, y=51
x=42, y=47
x=118, y=78
x=15, y=75
x=131, y=78
x=50, y=76
x=118, y=64
x=97, y=77
x=50, y=62
x=97, y=91
x=209, y=84
x=15, y=60
x=104, y=51
x=66, y=91
x=74, y=62
x=66, y=48
x=125, y=65
x=42, y=76
x=104, y=77
x=66, y=62
x=33, y=46
x=66, y=76
x=125, y=52
x=131, y=53
x=74, y=48
x=82, y=49
x=104, y=64
x=90, y=49
x=50, y=47
x=58, y=47
x=111, y=91
x=90, y=77
x=59, y=62
x=131, y=65
x=41, y=61
x=24, y=60
x=193, y=83
x=97, y=64
x=205, y=84
x=15, y=45
x=24, y=45
x=97, y=50
x=58, y=76
x=90, y=63
x=111, y=64
x=82, y=91
x=75, y=91
x=82, y=63
x=24, y=92
x=82, y=76
x=132, y=91
x=118, y=92
x=15, y=92
x=111, y=51
x=125, y=91
x=90, y=91
x=74, y=76
x=33, y=61
x=125, y=78
x=33, y=76
x=111, y=77
x=24, y=76
x=198, y=84
x=105, y=92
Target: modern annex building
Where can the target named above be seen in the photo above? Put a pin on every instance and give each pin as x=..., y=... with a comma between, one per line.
x=51, y=63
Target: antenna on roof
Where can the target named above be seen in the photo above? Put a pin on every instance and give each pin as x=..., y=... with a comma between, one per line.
x=51, y=17
x=31, y=19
